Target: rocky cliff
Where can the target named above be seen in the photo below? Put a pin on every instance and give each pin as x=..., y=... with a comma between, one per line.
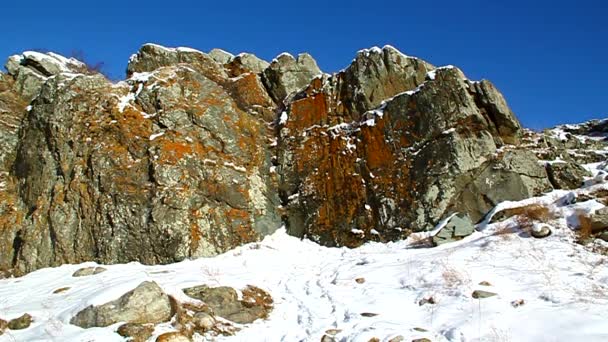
x=196, y=153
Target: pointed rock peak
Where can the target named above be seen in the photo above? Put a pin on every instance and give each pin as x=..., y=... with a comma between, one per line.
x=221, y=56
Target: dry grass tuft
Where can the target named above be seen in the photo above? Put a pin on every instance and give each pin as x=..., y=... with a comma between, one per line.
x=530, y=214
x=418, y=241
x=584, y=232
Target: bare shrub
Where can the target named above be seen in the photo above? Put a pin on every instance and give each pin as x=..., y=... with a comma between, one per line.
x=420, y=241
x=452, y=277
x=89, y=68
x=528, y=215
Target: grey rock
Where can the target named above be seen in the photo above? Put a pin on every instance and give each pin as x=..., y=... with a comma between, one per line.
x=147, y=303
x=599, y=220
x=87, y=271
x=31, y=70
x=224, y=302
x=20, y=323
x=480, y=294
x=151, y=57
x=566, y=175
x=286, y=75
x=541, y=231
x=457, y=227
x=221, y=56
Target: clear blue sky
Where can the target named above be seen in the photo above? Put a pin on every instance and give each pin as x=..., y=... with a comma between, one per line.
x=549, y=58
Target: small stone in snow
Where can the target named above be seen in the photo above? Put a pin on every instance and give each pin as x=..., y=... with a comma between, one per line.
x=368, y=314
x=20, y=323
x=480, y=294
x=360, y=280
x=517, y=303
x=485, y=283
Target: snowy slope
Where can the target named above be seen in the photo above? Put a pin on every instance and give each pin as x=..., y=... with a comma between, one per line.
x=564, y=287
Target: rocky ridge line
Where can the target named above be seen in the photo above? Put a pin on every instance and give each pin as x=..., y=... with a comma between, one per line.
x=196, y=153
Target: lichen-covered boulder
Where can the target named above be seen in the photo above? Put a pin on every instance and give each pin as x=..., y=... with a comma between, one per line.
x=159, y=168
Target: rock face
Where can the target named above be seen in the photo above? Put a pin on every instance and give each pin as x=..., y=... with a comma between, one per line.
x=196, y=153
x=350, y=162
x=147, y=303
x=162, y=167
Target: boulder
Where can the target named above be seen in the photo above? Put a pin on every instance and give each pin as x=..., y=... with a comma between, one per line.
x=286, y=75
x=147, y=303
x=221, y=56
x=20, y=323
x=136, y=332
x=87, y=271
x=224, y=302
x=566, y=175
x=3, y=326
x=457, y=227
x=480, y=294
x=599, y=220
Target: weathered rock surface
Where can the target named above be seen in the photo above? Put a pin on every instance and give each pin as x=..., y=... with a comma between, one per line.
x=196, y=153
x=480, y=294
x=286, y=75
x=147, y=303
x=19, y=323
x=566, y=175
x=599, y=220
x=224, y=302
x=156, y=169
x=457, y=227
x=87, y=271
x=348, y=165
x=136, y=332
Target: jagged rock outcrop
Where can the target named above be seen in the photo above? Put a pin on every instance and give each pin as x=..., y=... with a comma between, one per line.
x=350, y=163
x=159, y=168
x=196, y=153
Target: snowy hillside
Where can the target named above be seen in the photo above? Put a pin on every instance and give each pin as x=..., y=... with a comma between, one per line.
x=550, y=289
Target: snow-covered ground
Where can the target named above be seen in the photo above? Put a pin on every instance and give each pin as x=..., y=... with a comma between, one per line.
x=563, y=287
